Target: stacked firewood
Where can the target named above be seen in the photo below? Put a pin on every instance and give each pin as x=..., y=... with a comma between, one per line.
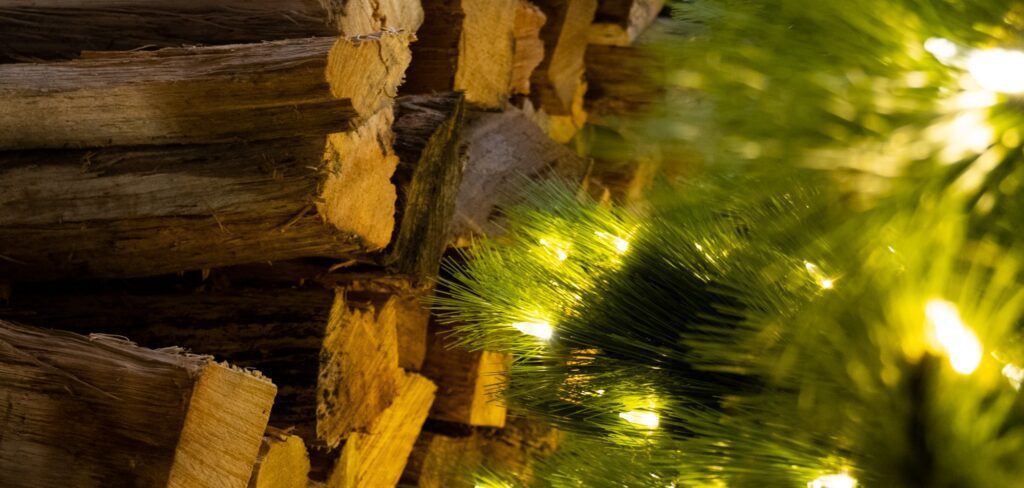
x=220, y=222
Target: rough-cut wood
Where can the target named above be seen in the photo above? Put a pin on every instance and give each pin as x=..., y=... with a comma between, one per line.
x=151, y=210
x=378, y=457
x=619, y=22
x=505, y=151
x=334, y=358
x=101, y=412
x=282, y=463
x=61, y=28
x=429, y=173
x=529, y=49
x=465, y=45
x=556, y=81
x=446, y=461
x=302, y=87
x=467, y=382
x=627, y=81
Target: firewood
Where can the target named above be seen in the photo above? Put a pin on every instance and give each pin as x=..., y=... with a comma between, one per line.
x=529, y=49
x=504, y=152
x=163, y=209
x=619, y=22
x=333, y=357
x=626, y=82
x=99, y=412
x=557, y=80
x=465, y=45
x=427, y=130
x=378, y=457
x=441, y=460
x=282, y=462
x=47, y=29
x=292, y=88
x=468, y=382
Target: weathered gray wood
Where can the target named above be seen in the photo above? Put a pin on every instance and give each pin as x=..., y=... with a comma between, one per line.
x=333, y=354
x=504, y=152
x=50, y=29
x=143, y=211
x=427, y=129
x=100, y=412
x=218, y=94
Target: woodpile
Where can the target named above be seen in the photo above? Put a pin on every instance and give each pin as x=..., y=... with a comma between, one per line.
x=253, y=190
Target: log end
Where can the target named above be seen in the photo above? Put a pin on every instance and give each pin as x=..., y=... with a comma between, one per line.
x=367, y=69
x=283, y=462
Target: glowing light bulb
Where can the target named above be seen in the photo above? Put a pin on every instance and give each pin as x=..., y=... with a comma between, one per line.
x=642, y=418
x=621, y=244
x=841, y=480
x=998, y=70
x=541, y=330
x=562, y=255
x=942, y=49
x=823, y=281
x=961, y=345
x=1014, y=374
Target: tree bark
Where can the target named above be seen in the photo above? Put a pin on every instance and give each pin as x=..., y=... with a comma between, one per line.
x=333, y=357
x=427, y=130
x=504, y=151
x=619, y=22
x=49, y=29
x=626, y=82
x=293, y=88
x=465, y=45
x=468, y=382
x=143, y=211
x=101, y=412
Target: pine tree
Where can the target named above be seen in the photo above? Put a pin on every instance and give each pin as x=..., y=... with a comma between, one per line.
x=835, y=301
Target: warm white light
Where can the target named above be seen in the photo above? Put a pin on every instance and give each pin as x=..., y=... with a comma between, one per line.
x=959, y=342
x=562, y=255
x=942, y=49
x=621, y=244
x=540, y=330
x=841, y=480
x=999, y=70
x=1014, y=374
x=823, y=281
x=641, y=418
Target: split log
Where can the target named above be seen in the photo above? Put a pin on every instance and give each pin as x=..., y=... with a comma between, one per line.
x=334, y=358
x=468, y=382
x=48, y=29
x=627, y=82
x=427, y=129
x=441, y=460
x=557, y=80
x=619, y=22
x=282, y=463
x=465, y=45
x=505, y=151
x=144, y=211
x=378, y=457
x=293, y=88
x=529, y=49
x=101, y=412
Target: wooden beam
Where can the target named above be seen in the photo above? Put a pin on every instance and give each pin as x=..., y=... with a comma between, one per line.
x=465, y=45
x=122, y=212
x=504, y=152
x=292, y=88
x=48, y=29
x=98, y=411
x=378, y=457
x=427, y=130
x=334, y=357
x=282, y=462
x=468, y=382
x=619, y=22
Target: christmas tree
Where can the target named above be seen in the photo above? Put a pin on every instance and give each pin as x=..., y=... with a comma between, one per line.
x=836, y=299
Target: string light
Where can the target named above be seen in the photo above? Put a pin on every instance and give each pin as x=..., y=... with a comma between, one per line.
x=961, y=345
x=540, y=330
x=823, y=281
x=998, y=70
x=1014, y=374
x=840, y=480
x=621, y=245
x=642, y=418
x=942, y=49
